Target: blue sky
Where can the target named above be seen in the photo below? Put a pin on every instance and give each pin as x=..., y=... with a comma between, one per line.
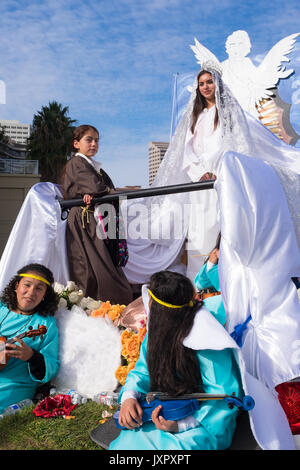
x=112, y=62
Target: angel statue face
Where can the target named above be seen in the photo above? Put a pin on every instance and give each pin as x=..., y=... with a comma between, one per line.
x=238, y=44
x=207, y=87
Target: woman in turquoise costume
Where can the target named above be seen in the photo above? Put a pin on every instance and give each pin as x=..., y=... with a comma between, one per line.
x=208, y=280
x=177, y=356
x=28, y=302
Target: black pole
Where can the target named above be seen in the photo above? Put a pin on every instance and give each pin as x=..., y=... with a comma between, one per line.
x=139, y=193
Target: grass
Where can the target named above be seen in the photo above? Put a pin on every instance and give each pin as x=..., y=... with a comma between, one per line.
x=25, y=431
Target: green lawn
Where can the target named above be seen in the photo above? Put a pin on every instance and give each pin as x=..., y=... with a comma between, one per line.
x=24, y=431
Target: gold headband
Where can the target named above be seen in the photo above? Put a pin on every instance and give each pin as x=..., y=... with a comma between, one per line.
x=35, y=277
x=190, y=303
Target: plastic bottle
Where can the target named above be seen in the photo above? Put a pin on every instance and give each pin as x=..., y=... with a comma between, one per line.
x=13, y=409
x=106, y=398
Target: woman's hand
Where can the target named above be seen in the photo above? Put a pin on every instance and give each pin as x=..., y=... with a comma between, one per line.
x=208, y=176
x=23, y=352
x=131, y=414
x=87, y=198
x=161, y=423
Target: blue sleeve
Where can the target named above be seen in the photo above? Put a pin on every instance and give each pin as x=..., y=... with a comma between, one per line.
x=213, y=276
x=205, y=279
x=49, y=349
x=201, y=280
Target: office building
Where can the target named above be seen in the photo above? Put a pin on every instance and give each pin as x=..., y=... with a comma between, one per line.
x=157, y=152
x=16, y=131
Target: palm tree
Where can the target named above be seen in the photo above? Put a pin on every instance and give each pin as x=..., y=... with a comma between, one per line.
x=50, y=140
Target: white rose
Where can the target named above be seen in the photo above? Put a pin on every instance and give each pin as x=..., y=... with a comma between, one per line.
x=93, y=304
x=73, y=297
x=71, y=286
x=62, y=303
x=58, y=288
x=79, y=294
x=83, y=303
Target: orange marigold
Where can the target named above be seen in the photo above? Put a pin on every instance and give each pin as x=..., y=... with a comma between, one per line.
x=101, y=312
x=121, y=374
x=115, y=311
x=133, y=347
x=125, y=335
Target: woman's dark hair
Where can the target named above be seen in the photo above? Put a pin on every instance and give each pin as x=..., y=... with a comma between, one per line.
x=47, y=306
x=78, y=133
x=173, y=368
x=200, y=104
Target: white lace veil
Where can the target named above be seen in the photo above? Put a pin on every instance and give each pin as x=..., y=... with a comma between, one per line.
x=233, y=123
x=241, y=133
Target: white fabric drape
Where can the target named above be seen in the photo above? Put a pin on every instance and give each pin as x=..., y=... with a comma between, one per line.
x=259, y=255
x=38, y=236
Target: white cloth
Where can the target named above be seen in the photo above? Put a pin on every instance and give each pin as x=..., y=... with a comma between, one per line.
x=203, y=149
x=268, y=422
x=258, y=256
x=202, y=153
x=38, y=236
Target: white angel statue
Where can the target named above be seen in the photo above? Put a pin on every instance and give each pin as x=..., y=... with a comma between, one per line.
x=250, y=84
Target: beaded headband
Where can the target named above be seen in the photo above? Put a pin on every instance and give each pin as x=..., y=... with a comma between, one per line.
x=35, y=277
x=190, y=303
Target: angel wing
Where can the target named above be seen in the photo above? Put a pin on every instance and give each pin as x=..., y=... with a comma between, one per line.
x=203, y=54
x=271, y=70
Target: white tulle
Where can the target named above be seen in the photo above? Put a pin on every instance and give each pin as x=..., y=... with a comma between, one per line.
x=89, y=352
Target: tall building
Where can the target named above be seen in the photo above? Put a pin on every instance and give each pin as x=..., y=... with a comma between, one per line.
x=157, y=152
x=16, y=131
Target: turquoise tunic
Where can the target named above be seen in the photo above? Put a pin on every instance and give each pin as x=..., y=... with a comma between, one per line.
x=16, y=380
x=217, y=422
x=214, y=304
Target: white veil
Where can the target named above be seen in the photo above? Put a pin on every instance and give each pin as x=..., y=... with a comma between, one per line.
x=241, y=133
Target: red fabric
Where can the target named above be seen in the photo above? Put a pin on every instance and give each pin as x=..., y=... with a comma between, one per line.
x=50, y=407
x=289, y=397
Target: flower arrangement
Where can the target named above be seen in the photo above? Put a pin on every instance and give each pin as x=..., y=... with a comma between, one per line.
x=70, y=295
x=111, y=311
x=131, y=344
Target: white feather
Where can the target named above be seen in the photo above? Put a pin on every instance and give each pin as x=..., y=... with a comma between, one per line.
x=203, y=54
x=270, y=71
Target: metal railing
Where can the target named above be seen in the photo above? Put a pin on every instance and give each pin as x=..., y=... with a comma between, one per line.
x=66, y=205
x=20, y=167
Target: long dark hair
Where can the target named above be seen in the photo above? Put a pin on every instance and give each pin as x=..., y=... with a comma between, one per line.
x=200, y=104
x=47, y=306
x=173, y=368
x=78, y=133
